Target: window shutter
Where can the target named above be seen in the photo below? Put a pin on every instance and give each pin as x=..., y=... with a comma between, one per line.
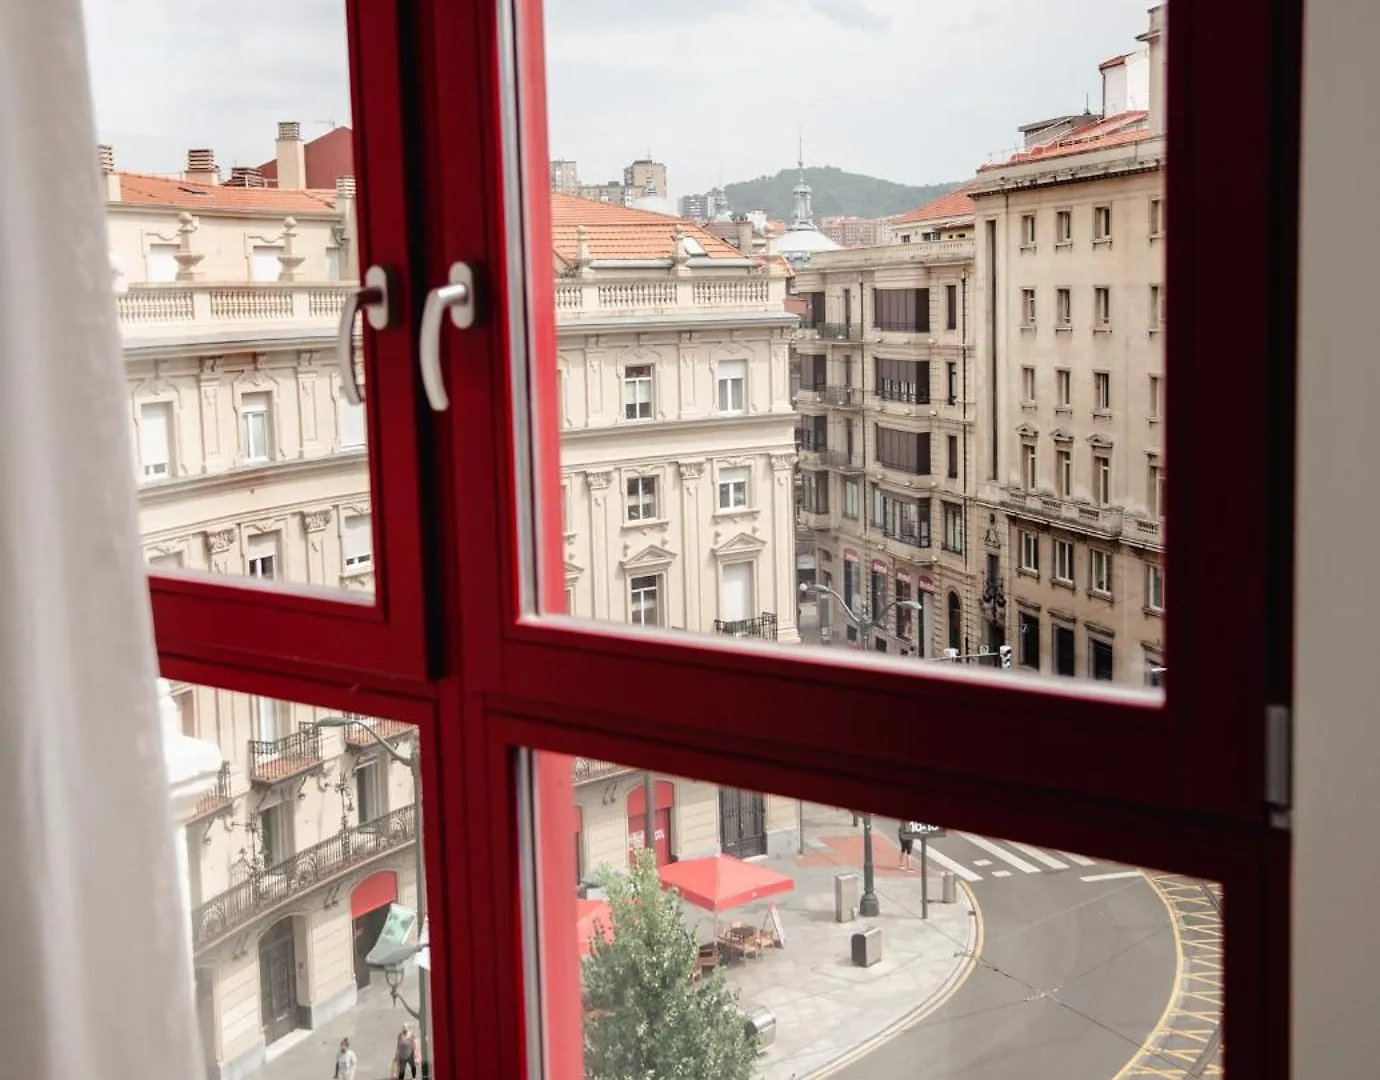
x=351, y=424
x=736, y=599
x=262, y=545
x=265, y=265
x=154, y=425
x=162, y=262
x=358, y=540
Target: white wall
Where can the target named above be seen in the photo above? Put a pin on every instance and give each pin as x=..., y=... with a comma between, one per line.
x=1336, y=936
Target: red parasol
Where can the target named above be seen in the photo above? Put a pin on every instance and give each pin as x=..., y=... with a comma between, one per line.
x=720, y=882
x=592, y=917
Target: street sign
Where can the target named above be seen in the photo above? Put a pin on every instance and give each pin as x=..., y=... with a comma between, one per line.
x=915, y=829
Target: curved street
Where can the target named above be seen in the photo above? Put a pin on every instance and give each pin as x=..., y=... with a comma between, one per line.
x=1079, y=971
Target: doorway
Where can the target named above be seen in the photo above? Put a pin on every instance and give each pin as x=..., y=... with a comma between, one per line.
x=742, y=823
x=369, y=904
x=637, y=802
x=278, y=981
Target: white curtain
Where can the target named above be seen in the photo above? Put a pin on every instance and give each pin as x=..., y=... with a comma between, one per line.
x=95, y=969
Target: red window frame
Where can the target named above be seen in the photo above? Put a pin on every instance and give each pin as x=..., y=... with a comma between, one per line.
x=237, y=621
x=1095, y=772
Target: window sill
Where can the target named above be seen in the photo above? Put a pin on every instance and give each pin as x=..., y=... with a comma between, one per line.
x=1098, y=594
x=1028, y=406
x=1153, y=612
x=1027, y=328
x=358, y=570
x=1153, y=419
x=1102, y=329
x=1028, y=247
x=1152, y=237
x=1063, y=245
x=1066, y=328
x=1062, y=583
x=646, y=523
x=736, y=512
x=1154, y=330
x=1025, y=571
x=1063, y=410
x=1102, y=414
x=1102, y=241
x=952, y=550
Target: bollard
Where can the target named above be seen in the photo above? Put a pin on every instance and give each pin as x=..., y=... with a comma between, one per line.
x=845, y=897
x=950, y=886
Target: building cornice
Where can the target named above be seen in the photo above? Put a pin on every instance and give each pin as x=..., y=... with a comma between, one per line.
x=171, y=492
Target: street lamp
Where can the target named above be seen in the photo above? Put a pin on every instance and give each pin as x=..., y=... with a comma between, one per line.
x=868, y=905
x=394, y=975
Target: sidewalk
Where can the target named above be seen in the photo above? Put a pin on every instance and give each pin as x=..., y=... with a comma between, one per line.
x=827, y=1011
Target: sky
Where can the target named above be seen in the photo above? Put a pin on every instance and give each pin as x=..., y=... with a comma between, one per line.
x=915, y=91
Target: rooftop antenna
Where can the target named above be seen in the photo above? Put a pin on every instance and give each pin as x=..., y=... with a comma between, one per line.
x=330, y=125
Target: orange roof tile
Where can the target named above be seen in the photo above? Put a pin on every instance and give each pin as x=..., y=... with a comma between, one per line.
x=620, y=232
x=140, y=189
x=1114, y=61
x=955, y=205
x=1118, y=130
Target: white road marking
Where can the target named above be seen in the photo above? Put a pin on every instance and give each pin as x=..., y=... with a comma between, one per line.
x=1001, y=853
x=1001, y=873
x=1039, y=856
x=1081, y=860
x=1111, y=877
x=951, y=864
x=982, y=862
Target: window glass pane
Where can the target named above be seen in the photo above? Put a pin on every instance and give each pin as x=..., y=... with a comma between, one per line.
x=297, y=838
x=825, y=339
x=231, y=205
x=790, y=938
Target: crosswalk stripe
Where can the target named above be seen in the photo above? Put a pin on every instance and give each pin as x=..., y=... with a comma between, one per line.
x=1111, y=877
x=1039, y=856
x=1001, y=853
x=1081, y=860
x=951, y=864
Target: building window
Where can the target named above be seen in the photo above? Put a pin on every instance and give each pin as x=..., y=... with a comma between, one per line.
x=1156, y=307
x=1100, y=572
x=733, y=488
x=333, y=264
x=1064, y=472
x=275, y=833
x=735, y=592
x=358, y=541
x=955, y=622
x=1027, y=307
x=262, y=553
x=814, y=492
x=1156, y=218
x=160, y=264
x=905, y=617
x=1063, y=650
x=371, y=789
x=637, y=392
x=951, y=382
x=953, y=457
x=1063, y=561
x=155, y=439
x=1154, y=587
x=1154, y=495
x=1063, y=386
x=906, y=381
x=255, y=429
x=732, y=386
x=906, y=451
x=953, y=528
x=1029, y=644
x=264, y=265
x=350, y=419
x=642, y=498
x=1102, y=391
x=1063, y=226
x=851, y=498
x=1063, y=308
x=901, y=519
x=1030, y=552
x=1028, y=230
x=1102, y=307
x=1031, y=476
x=902, y=310
x=644, y=600
x=852, y=584
x=1102, y=479
x=1155, y=390
x=1028, y=385
x=1100, y=659
x=876, y=594
x=950, y=307
x=1102, y=223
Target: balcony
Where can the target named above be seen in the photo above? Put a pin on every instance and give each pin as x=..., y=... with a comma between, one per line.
x=274, y=886
x=813, y=519
x=219, y=799
x=840, y=460
x=1107, y=521
x=910, y=538
x=357, y=737
x=273, y=761
x=764, y=626
x=608, y=295
x=838, y=397
x=152, y=312
x=839, y=332
x=901, y=396
x=588, y=770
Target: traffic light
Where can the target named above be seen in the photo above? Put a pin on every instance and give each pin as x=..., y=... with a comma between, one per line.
x=1005, y=652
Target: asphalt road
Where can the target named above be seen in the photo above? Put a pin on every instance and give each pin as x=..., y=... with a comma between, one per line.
x=1073, y=975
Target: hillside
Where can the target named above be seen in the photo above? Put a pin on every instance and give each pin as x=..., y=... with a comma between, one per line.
x=834, y=192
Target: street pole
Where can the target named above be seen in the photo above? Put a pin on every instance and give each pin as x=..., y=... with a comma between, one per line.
x=924, y=877
x=649, y=813
x=868, y=907
x=423, y=975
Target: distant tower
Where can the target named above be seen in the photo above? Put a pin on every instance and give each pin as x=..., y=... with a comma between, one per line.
x=801, y=216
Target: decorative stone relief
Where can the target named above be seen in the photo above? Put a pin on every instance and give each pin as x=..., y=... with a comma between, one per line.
x=783, y=462
x=691, y=470
x=316, y=520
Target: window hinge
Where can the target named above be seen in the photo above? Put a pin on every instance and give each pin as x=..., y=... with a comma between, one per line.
x=1279, y=765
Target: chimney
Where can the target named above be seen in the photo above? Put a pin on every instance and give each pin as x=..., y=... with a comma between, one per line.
x=245, y=176
x=345, y=207
x=1154, y=37
x=109, y=177
x=201, y=167
x=292, y=157
x=744, y=236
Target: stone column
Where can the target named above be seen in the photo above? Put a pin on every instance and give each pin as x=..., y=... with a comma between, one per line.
x=693, y=561
x=314, y=523
x=599, y=548
x=782, y=553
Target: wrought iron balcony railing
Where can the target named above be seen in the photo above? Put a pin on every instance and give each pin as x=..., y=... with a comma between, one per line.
x=904, y=395
x=357, y=735
x=275, y=760
x=273, y=886
x=218, y=799
x=841, y=460
x=919, y=538
x=839, y=332
x=587, y=769
x=763, y=626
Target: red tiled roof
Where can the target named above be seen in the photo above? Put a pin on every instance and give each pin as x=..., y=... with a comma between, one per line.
x=140, y=189
x=1114, y=61
x=620, y=232
x=955, y=205
x=1118, y=130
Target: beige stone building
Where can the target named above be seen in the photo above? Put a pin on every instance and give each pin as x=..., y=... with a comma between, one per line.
x=886, y=405
x=1070, y=309
x=250, y=461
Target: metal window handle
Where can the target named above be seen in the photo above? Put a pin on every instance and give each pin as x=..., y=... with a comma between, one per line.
x=458, y=299
x=373, y=301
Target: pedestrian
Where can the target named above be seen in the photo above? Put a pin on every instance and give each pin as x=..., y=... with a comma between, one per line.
x=345, y=1062
x=905, y=832
x=407, y=1051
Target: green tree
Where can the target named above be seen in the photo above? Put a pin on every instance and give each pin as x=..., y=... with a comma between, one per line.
x=647, y=1020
